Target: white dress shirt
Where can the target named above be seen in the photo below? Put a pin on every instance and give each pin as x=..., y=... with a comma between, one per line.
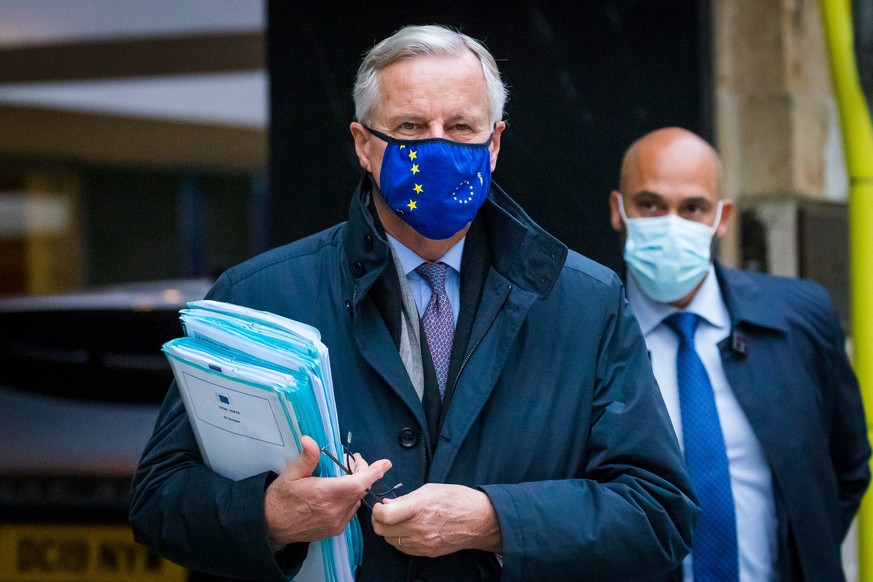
x=751, y=481
x=421, y=291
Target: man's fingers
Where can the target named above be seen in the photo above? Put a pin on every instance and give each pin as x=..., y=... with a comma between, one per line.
x=357, y=462
x=372, y=473
x=357, y=484
x=397, y=511
x=305, y=464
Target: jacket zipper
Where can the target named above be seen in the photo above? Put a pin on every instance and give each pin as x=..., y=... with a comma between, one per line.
x=464, y=365
x=481, y=337
x=351, y=303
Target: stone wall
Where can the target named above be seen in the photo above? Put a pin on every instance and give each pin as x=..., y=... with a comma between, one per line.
x=775, y=117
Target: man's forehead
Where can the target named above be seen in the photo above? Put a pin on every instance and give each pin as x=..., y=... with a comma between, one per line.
x=423, y=88
x=413, y=69
x=667, y=170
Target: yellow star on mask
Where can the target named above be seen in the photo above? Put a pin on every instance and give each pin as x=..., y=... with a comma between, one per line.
x=413, y=154
x=411, y=204
x=418, y=189
x=415, y=169
x=402, y=146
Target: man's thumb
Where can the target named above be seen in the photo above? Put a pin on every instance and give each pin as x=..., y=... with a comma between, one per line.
x=305, y=464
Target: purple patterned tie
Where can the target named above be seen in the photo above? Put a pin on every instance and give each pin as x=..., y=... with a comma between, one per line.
x=439, y=323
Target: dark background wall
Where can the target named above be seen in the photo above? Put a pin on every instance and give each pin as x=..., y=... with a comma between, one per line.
x=585, y=80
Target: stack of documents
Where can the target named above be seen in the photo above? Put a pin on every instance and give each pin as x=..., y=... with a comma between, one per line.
x=253, y=383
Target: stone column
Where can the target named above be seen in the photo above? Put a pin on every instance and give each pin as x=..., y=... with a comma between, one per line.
x=776, y=120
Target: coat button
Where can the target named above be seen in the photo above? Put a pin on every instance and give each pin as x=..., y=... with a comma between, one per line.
x=407, y=438
x=358, y=269
x=368, y=242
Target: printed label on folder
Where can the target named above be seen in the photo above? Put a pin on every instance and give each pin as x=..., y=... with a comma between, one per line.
x=237, y=412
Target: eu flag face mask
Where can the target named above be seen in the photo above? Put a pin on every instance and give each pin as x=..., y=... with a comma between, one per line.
x=667, y=255
x=435, y=185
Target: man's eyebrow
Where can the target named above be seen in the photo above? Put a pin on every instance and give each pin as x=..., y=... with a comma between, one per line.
x=645, y=195
x=467, y=118
x=648, y=195
x=702, y=200
x=417, y=118
x=404, y=117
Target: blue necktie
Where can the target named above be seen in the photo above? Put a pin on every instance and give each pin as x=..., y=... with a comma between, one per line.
x=714, y=549
x=438, y=320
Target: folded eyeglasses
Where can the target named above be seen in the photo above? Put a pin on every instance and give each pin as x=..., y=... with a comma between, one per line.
x=377, y=491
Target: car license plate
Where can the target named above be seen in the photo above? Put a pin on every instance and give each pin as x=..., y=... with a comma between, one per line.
x=81, y=553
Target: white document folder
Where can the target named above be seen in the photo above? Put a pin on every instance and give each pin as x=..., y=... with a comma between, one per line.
x=253, y=383
x=241, y=427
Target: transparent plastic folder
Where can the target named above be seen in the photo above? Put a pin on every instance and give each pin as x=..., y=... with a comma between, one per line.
x=253, y=383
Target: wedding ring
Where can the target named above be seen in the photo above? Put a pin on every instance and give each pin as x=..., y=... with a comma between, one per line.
x=399, y=542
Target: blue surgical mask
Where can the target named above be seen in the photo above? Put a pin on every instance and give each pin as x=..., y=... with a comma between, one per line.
x=668, y=255
x=435, y=185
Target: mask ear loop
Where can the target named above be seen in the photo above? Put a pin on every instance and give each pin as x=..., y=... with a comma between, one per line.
x=621, y=208
x=717, y=221
x=384, y=137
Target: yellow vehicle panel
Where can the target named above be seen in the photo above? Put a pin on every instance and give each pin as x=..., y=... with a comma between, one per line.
x=79, y=553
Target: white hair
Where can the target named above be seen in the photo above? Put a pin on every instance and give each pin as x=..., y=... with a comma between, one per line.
x=412, y=41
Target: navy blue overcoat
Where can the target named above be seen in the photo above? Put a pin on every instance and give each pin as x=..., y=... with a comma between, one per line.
x=786, y=362
x=555, y=416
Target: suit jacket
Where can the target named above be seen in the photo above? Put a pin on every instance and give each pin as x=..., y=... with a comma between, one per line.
x=786, y=362
x=554, y=414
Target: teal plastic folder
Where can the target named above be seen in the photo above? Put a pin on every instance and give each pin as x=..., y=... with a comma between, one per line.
x=253, y=383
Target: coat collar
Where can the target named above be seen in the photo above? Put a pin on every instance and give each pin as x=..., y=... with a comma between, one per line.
x=367, y=249
x=522, y=251
x=745, y=302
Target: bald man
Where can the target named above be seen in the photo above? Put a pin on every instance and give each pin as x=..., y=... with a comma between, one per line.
x=753, y=371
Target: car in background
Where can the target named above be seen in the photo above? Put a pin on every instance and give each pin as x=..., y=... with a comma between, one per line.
x=82, y=377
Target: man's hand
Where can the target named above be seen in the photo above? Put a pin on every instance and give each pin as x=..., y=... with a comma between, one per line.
x=439, y=519
x=301, y=508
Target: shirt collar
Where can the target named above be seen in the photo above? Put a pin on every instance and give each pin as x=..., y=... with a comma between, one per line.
x=707, y=303
x=409, y=260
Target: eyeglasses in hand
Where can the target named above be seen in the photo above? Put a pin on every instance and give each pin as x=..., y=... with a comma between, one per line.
x=377, y=491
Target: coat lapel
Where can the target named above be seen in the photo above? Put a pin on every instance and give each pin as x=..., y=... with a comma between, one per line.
x=760, y=384
x=754, y=362
x=751, y=361
x=760, y=362
x=380, y=352
x=500, y=316
x=526, y=263
x=375, y=298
